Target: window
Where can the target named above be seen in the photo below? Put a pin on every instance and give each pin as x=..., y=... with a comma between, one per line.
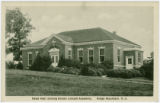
x=118, y=55
x=69, y=54
x=101, y=55
x=90, y=55
x=29, y=58
x=129, y=61
x=80, y=55
x=139, y=57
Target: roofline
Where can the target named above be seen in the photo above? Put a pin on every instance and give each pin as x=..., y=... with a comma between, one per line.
x=83, y=43
x=96, y=42
x=132, y=49
x=33, y=47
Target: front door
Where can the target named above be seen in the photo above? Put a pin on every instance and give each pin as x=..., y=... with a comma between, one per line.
x=55, y=59
x=54, y=53
x=129, y=62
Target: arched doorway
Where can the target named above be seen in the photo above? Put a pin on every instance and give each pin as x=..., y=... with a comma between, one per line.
x=54, y=53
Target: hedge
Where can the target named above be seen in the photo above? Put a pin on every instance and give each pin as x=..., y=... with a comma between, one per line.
x=64, y=69
x=124, y=73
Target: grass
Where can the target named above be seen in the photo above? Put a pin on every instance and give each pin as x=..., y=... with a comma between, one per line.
x=32, y=83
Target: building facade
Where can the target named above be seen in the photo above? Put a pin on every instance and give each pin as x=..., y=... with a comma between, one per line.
x=94, y=45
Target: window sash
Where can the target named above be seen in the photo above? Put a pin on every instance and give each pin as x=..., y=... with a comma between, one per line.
x=129, y=61
x=81, y=59
x=101, y=59
x=91, y=59
x=90, y=55
x=80, y=55
x=101, y=55
x=101, y=51
x=90, y=52
x=69, y=54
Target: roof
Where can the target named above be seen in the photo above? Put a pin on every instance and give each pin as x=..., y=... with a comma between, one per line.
x=83, y=35
x=89, y=35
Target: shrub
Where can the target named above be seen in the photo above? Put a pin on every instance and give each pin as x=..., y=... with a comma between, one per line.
x=108, y=64
x=19, y=65
x=69, y=63
x=41, y=63
x=64, y=69
x=10, y=65
x=84, y=70
x=123, y=73
x=54, y=69
x=147, y=69
x=70, y=70
x=91, y=70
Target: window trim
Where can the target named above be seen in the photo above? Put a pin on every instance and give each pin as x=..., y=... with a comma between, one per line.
x=79, y=49
x=99, y=53
x=28, y=58
x=89, y=55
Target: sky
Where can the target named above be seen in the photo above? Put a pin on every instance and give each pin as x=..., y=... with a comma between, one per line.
x=130, y=22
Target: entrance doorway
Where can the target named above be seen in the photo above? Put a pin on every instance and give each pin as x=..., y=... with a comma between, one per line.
x=54, y=53
x=129, y=62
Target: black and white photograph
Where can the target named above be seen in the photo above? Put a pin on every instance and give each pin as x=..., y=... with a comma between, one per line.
x=74, y=49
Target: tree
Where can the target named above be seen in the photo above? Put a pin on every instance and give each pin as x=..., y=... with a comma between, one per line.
x=148, y=67
x=17, y=28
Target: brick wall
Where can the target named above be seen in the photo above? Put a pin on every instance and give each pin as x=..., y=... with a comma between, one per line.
x=108, y=51
x=25, y=56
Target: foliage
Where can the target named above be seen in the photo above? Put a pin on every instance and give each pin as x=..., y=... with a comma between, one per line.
x=10, y=65
x=64, y=69
x=41, y=63
x=70, y=70
x=54, y=69
x=91, y=70
x=19, y=65
x=123, y=73
x=147, y=69
x=18, y=27
x=108, y=64
x=85, y=69
x=69, y=63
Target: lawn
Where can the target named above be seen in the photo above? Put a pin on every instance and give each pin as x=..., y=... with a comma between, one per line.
x=32, y=83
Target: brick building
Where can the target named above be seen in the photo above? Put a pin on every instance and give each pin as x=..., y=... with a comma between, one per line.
x=93, y=45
